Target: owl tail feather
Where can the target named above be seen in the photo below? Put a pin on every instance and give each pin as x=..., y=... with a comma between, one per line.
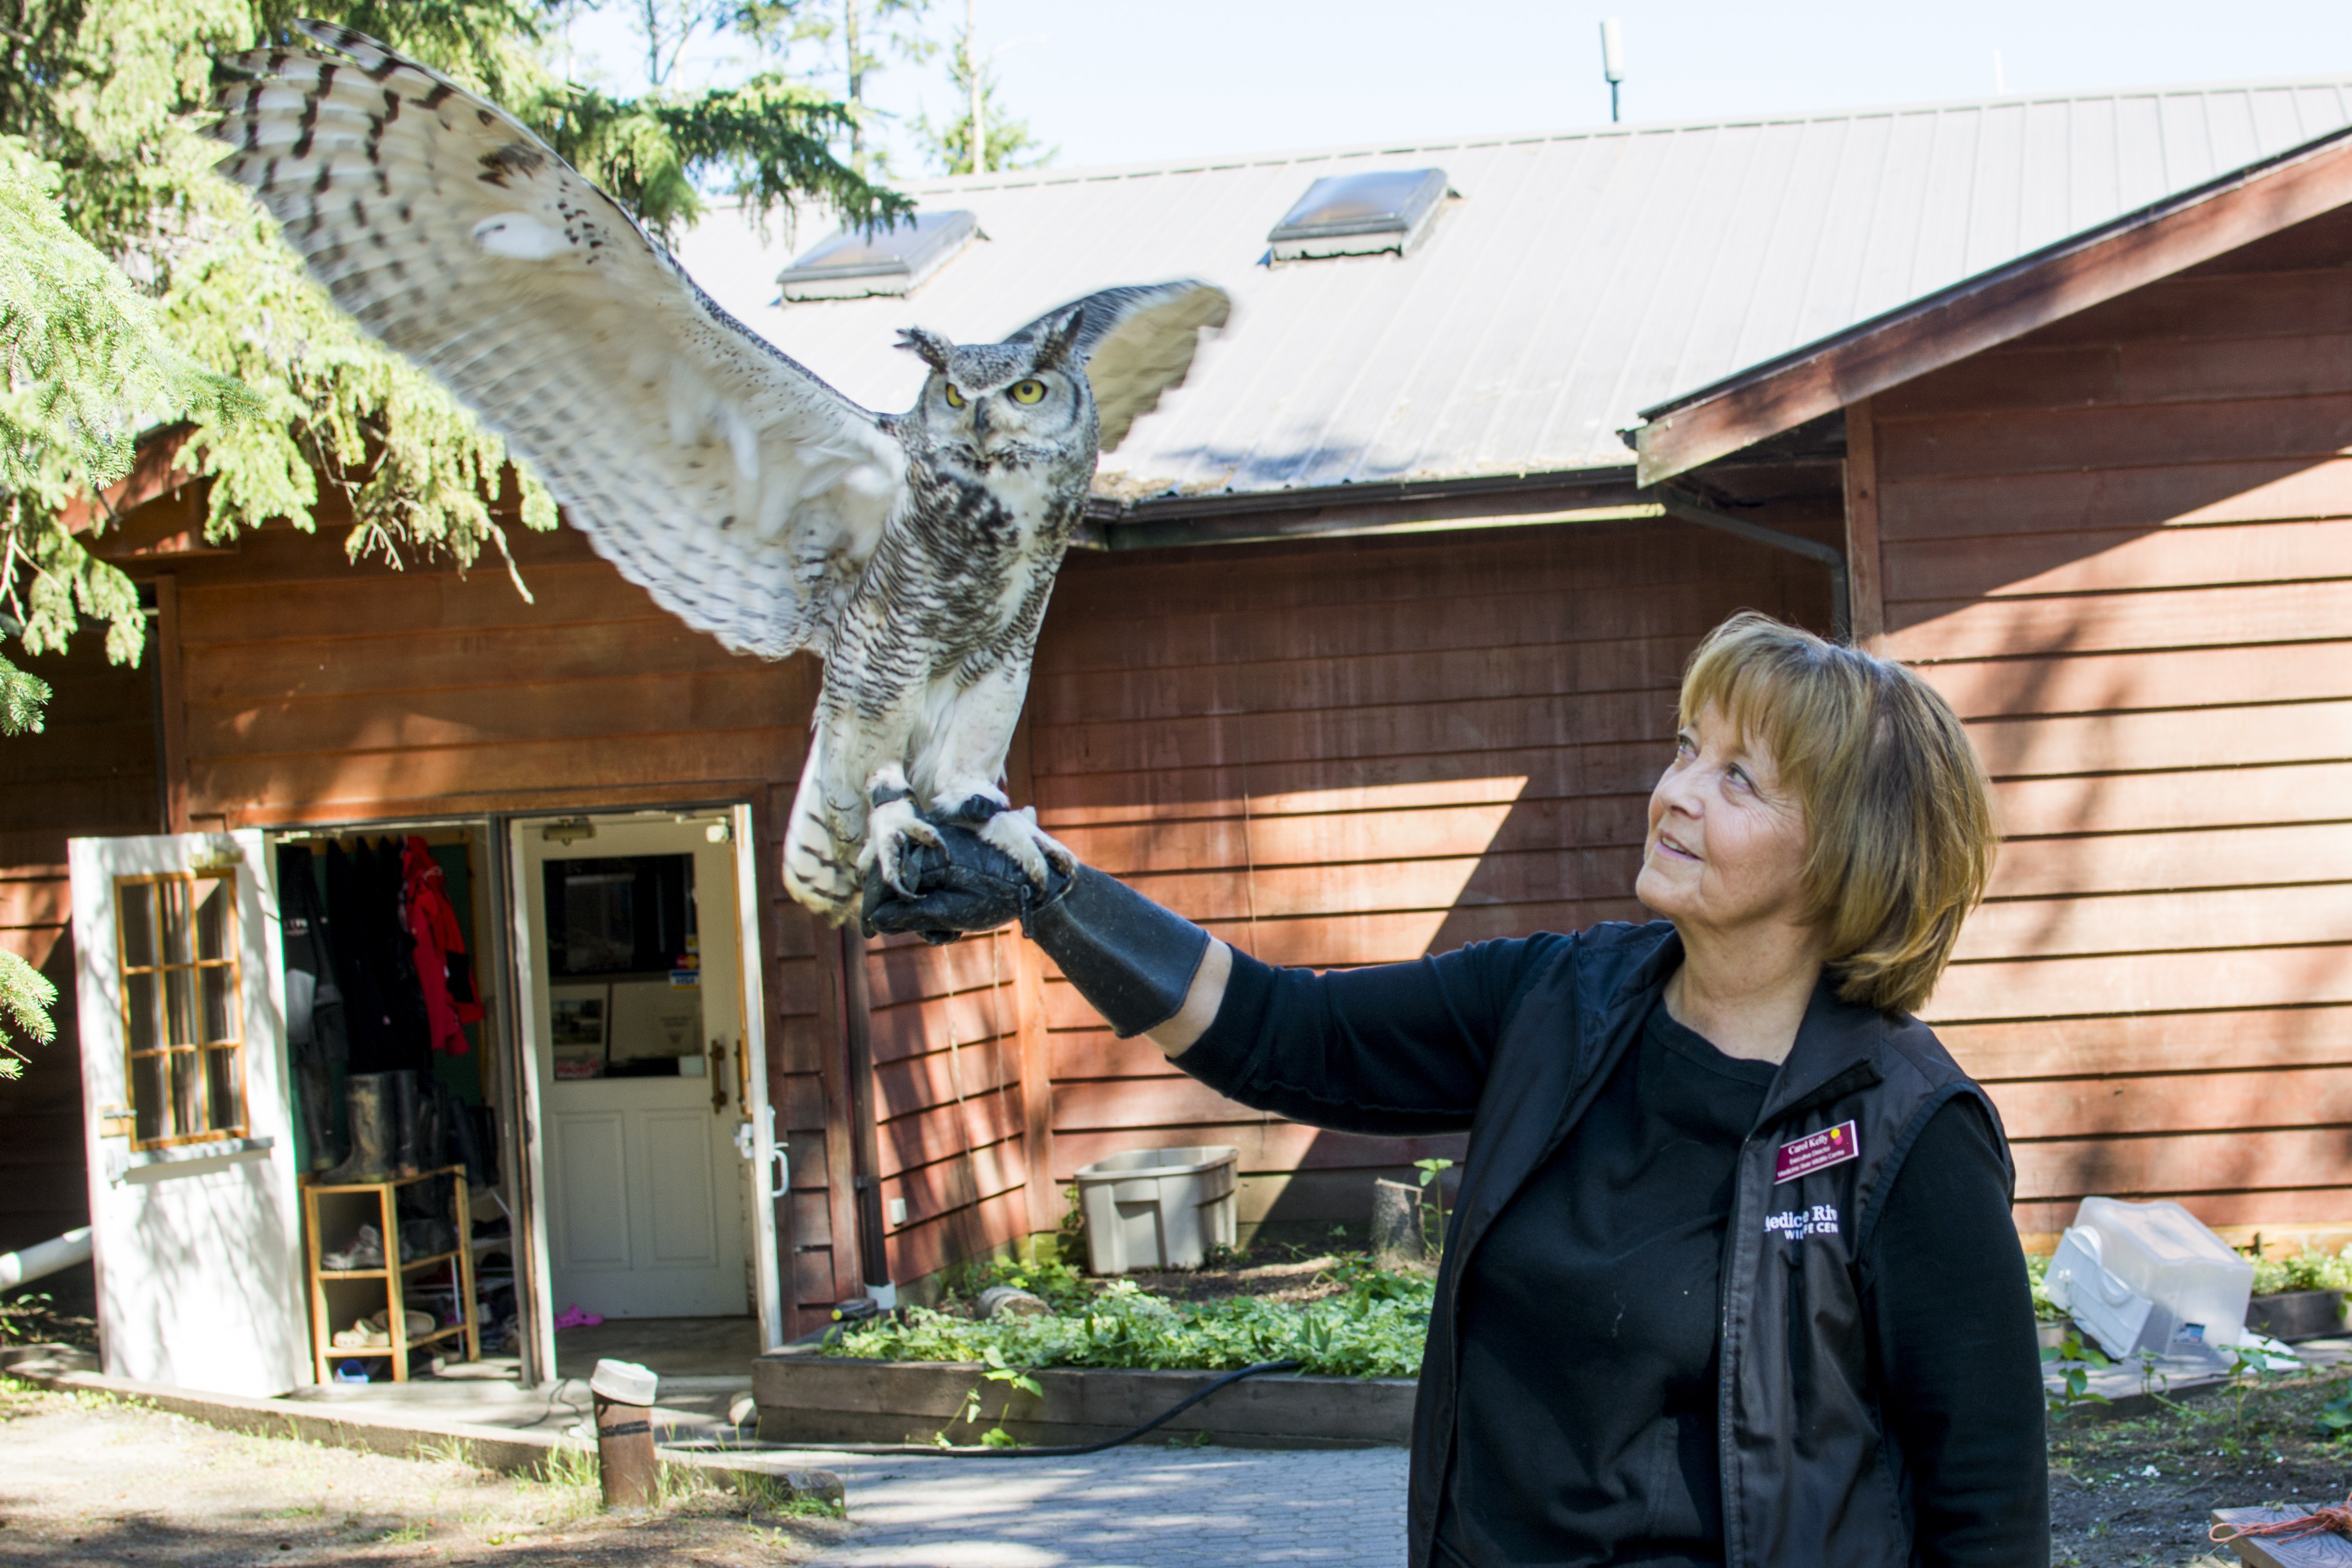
x=820, y=871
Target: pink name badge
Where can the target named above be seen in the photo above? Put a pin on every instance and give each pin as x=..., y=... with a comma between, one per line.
x=1816, y=1151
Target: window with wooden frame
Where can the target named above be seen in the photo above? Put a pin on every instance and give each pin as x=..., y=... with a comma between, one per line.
x=183, y=1022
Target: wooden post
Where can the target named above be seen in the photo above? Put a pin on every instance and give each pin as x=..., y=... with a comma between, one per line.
x=865, y=1141
x=1036, y=1056
x=1036, y=1087
x=1866, y=595
x=625, y=1463
x=171, y=704
x=840, y=1120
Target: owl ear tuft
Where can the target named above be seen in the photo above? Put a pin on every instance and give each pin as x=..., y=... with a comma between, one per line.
x=1053, y=343
x=934, y=348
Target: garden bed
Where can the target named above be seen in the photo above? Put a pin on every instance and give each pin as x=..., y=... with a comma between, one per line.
x=1110, y=1355
x=808, y=1397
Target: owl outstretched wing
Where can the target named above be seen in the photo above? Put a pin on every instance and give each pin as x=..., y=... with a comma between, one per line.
x=1136, y=344
x=743, y=492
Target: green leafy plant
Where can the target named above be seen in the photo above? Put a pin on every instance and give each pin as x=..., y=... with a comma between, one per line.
x=2334, y=1422
x=1061, y=1286
x=1013, y=1380
x=1374, y=1330
x=2248, y=1367
x=1431, y=1170
x=2309, y=1269
x=2075, y=1362
x=2037, y=1272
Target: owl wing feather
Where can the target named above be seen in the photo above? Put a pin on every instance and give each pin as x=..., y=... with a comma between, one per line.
x=1136, y=342
x=738, y=488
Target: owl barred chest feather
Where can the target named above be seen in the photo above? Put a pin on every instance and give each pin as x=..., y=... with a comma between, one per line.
x=914, y=552
x=933, y=653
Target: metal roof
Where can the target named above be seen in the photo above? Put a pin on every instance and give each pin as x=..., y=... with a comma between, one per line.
x=1581, y=276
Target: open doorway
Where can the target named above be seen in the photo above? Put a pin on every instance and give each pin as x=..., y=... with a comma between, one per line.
x=638, y=957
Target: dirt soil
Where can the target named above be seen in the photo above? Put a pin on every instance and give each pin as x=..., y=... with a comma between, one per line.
x=1294, y=1280
x=2138, y=1493
x=85, y=1481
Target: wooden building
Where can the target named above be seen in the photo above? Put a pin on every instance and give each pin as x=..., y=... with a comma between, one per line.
x=1379, y=651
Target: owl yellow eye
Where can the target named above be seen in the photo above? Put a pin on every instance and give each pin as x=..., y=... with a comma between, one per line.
x=955, y=398
x=1028, y=390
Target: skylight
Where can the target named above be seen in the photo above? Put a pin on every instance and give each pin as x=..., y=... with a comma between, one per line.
x=1361, y=214
x=854, y=264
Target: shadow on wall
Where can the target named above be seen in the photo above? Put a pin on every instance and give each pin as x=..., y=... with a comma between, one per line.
x=2153, y=666
x=1360, y=752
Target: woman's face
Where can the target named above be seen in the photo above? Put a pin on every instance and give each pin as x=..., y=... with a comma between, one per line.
x=1727, y=841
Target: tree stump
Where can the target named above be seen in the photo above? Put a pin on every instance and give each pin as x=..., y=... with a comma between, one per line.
x=1396, y=1225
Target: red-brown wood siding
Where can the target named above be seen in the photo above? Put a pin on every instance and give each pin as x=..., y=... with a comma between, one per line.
x=315, y=690
x=91, y=769
x=949, y=1122
x=1352, y=752
x=2122, y=547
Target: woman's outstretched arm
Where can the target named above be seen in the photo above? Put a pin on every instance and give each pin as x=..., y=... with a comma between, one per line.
x=1201, y=1003
x=1395, y=1047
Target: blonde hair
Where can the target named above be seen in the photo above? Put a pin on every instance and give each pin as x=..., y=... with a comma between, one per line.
x=1899, y=816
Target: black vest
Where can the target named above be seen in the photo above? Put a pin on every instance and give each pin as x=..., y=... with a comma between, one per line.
x=1810, y=1481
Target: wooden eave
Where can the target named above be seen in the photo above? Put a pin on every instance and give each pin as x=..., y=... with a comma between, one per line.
x=1979, y=313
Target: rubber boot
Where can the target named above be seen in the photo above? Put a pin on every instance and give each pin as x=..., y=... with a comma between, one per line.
x=368, y=1096
x=406, y=1118
x=312, y=1093
x=465, y=1147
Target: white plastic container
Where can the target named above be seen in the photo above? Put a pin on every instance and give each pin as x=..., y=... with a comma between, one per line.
x=2197, y=1285
x=2101, y=1304
x=1157, y=1208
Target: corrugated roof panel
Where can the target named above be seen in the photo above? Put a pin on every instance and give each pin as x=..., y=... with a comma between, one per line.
x=1582, y=275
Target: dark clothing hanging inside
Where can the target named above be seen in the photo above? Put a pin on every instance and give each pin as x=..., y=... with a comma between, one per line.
x=367, y=1015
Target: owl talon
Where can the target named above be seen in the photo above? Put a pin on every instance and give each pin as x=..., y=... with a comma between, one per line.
x=1037, y=853
x=889, y=830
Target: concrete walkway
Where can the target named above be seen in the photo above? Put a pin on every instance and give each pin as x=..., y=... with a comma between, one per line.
x=1127, y=1507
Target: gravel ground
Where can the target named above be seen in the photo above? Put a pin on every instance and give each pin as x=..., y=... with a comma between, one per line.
x=85, y=1481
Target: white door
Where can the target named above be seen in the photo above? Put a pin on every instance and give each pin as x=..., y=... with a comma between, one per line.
x=194, y=1213
x=645, y=1096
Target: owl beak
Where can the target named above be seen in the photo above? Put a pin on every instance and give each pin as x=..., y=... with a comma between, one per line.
x=980, y=423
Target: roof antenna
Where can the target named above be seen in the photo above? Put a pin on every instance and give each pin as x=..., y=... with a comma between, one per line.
x=1613, y=60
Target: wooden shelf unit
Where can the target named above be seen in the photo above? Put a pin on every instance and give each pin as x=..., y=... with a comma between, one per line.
x=394, y=1274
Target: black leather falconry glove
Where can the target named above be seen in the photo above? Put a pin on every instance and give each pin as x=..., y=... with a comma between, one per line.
x=1126, y=955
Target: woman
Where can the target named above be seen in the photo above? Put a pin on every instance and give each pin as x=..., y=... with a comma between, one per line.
x=1731, y=1276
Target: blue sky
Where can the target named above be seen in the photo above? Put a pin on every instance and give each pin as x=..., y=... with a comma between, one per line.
x=1111, y=81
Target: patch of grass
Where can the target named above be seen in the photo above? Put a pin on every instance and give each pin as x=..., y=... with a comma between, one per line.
x=414, y=1531
x=448, y=1450
x=772, y=1495
x=566, y=1484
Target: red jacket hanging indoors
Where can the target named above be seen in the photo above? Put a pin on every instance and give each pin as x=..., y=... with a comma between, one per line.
x=442, y=969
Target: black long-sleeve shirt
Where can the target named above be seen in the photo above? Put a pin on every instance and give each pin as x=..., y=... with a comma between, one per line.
x=1585, y=1432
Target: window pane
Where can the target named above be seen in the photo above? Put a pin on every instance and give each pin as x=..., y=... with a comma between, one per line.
x=145, y=1021
x=138, y=902
x=220, y=1090
x=217, y=985
x=180, y=1005
x=187, y=1093
x=147, y=1097
x=216, y=917
x=175, y=897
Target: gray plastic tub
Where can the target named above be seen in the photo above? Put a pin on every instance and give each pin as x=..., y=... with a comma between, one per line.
x=1157, y=1208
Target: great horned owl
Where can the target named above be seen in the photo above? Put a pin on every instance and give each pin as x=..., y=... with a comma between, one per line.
x=913, y=553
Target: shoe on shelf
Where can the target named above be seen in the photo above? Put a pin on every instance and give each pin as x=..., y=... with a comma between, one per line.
x=365, y=1251
x=362, y=1335
x=425, y=1239
x=419, y=1324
